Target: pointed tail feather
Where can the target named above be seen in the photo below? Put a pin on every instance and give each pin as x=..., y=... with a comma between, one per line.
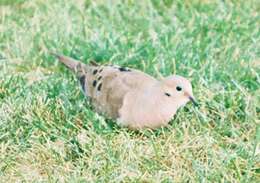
x=69, y=62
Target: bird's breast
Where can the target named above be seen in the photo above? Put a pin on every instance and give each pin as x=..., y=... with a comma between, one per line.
x=137, y=113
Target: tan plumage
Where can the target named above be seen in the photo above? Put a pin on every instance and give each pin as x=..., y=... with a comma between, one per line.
x=135, y=99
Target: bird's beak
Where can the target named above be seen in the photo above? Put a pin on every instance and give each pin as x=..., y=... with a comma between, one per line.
x=193, y=101
x=191, y=98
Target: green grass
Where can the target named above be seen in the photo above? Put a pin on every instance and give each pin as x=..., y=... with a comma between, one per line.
x=48, y=132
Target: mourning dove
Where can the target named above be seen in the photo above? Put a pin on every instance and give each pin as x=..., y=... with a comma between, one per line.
x=135, y=99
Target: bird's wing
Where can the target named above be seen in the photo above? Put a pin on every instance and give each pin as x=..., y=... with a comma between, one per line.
x=108, y=85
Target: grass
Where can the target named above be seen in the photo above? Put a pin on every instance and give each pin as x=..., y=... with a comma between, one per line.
x=48, y=132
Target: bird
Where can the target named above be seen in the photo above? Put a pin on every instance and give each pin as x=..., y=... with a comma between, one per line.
x=132, y=98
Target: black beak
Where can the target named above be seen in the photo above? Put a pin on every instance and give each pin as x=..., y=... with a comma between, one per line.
x=193, y=101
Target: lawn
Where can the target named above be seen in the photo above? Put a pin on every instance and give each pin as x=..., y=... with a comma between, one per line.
x=49, y=132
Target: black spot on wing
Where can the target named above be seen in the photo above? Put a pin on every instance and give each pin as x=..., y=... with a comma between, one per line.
x=100, y=70
x=82, y=80
x=99, y=86
x=123, y=69
x=95, y=71
x=94, y=83
x=100, y=77
x=92, y=62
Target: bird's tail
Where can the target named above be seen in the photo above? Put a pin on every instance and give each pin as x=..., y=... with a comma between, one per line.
x=76, y=66
x=69, y=62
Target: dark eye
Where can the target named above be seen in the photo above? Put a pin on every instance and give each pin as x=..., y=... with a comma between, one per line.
x=167, y=94
x=178, y=88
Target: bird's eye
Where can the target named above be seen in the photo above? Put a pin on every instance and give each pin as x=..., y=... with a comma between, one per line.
x=178, y=88
x=167, y=94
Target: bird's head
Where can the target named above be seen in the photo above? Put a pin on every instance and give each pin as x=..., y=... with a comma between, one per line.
x=178, y=90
